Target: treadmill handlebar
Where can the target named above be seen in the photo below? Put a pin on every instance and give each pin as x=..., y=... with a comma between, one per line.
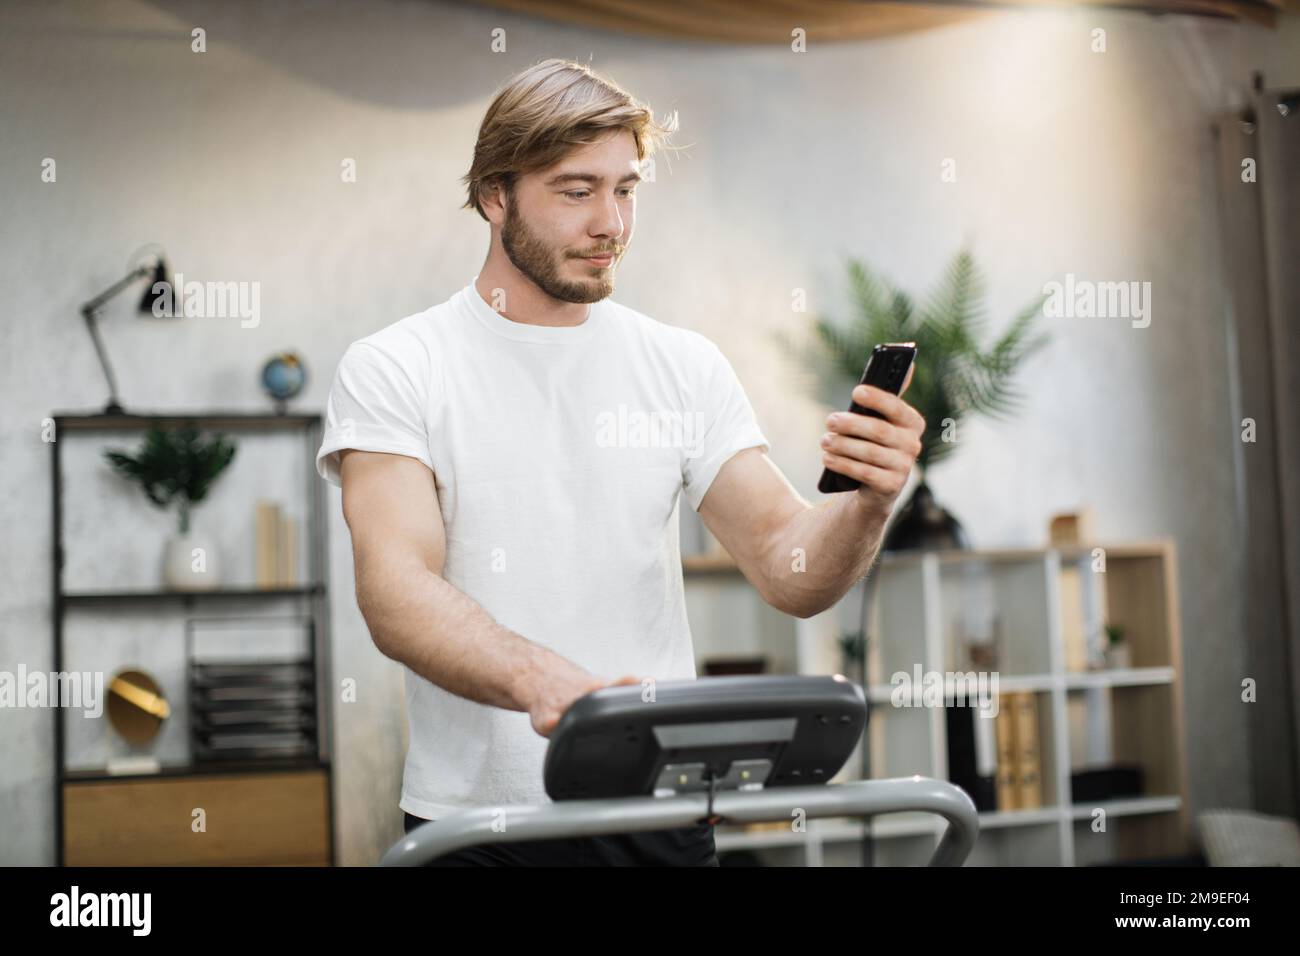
x=577, y=818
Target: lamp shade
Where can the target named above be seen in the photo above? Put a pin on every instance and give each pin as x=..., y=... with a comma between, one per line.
x=160, y=274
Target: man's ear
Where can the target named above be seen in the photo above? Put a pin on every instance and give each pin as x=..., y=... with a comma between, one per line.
x=493, y=199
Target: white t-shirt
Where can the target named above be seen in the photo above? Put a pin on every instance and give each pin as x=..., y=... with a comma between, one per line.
x=558, y=455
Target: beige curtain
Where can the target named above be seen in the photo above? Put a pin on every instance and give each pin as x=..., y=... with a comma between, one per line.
x=771, y=21
x=1260, y=226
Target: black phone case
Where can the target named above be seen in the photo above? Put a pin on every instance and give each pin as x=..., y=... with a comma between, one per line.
x=882, y=373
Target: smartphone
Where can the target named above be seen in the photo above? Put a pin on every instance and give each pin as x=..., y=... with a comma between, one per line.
x=887, y=368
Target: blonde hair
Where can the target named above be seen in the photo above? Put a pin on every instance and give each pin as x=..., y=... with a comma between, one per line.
x=543, y=113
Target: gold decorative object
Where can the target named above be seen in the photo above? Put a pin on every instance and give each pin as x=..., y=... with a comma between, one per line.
x=136, y=706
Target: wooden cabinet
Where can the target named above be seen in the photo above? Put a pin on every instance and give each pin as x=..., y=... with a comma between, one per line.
x=249, y=819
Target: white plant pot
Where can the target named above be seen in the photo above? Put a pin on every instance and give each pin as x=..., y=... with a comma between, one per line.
x=190, y=563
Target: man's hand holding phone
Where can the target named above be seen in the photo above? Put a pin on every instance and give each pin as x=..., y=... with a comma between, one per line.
x=874, y=448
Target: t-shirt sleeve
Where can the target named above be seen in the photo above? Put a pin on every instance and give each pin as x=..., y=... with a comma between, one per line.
x=375, y=404
x=728, y=425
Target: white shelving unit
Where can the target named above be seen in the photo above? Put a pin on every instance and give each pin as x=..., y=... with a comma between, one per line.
x=1050, y=606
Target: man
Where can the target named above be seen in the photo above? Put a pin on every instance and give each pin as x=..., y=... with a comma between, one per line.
x=512, y=518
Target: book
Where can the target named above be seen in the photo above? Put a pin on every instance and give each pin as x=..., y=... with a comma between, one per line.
x=968, y=757
x=287, y=557
x=1073, y=624
x=266, y=527
x=1029, y=783
x=962, y=758
x=1005, y=731
x=276, y=546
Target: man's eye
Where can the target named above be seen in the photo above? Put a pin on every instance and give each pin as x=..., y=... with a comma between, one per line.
x=583, y=193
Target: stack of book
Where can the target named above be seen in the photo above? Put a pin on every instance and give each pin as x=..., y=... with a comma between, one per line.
x=252, y=710
x=996, y=759
x=1020, y=762
x=277, y=546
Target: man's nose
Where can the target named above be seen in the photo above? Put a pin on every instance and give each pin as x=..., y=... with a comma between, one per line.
x=609, y=222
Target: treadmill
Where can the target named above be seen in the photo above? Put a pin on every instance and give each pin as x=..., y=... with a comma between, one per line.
x=674, y=753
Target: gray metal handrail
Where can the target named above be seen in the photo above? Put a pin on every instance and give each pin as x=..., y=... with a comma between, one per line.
x=572, y=818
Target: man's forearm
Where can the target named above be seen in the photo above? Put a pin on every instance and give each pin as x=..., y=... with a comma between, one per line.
x=418, y=619
x=822, y=551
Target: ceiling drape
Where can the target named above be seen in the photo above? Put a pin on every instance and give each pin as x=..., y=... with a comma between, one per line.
x=773, y=21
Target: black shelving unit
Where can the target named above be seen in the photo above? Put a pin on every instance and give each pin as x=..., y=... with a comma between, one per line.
x=314, y=594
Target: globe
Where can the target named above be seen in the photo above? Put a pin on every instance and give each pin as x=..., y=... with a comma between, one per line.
x=284, y=376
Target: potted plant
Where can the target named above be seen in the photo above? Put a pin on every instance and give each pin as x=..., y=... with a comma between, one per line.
x=1117, y=654
x=853, y=657
x=177, y=465
x=954, y=378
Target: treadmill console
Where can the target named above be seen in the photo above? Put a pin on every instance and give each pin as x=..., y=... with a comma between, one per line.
x=711, y=733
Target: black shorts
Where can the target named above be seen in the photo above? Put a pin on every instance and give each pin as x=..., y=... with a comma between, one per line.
x=683, y=846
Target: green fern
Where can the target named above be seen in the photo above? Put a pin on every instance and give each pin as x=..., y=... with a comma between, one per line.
x=954, y=377
x=175, y=465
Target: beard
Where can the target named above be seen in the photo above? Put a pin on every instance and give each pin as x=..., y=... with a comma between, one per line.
x=542, y=264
